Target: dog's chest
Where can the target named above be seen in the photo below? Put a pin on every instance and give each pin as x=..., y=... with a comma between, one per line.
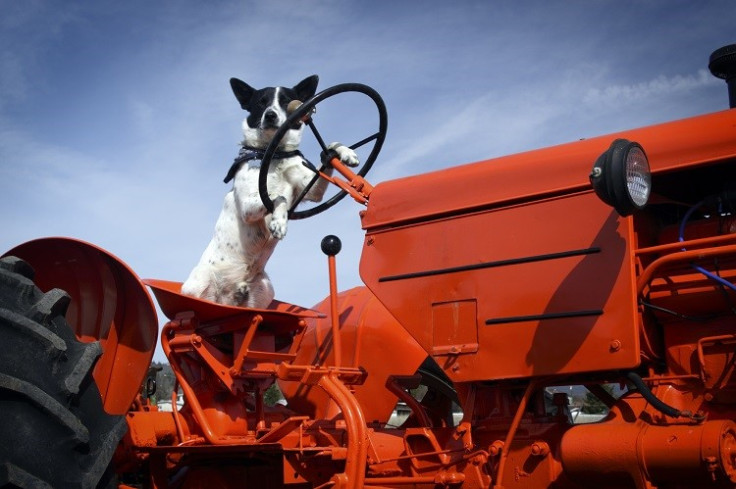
x=285, y=177
x=239, y=241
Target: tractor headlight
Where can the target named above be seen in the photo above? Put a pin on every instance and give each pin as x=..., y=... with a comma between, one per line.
x=621, y=177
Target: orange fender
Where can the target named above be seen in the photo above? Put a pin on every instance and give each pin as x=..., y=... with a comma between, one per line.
x=372, y=340
x=109, y=304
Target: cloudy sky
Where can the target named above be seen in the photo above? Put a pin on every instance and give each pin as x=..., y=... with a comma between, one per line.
x=117, y=123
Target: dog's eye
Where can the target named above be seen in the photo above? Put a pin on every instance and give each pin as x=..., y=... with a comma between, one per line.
x=263, y=101
x=284, y=100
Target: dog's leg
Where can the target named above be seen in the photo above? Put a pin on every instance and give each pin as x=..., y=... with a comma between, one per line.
x=256, y=292
x=346, y=155
x=260, y=291
x=250, y=208
x=278, y=219
x=199, y=284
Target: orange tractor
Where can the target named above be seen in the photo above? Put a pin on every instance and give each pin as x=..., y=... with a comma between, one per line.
x=495, y=294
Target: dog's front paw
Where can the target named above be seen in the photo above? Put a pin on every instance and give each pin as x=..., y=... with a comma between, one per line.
x=277, y=224
x=345, y=154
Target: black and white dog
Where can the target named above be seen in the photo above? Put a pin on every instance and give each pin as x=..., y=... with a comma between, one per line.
x=232, y=268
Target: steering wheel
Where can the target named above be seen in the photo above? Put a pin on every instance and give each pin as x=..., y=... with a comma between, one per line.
x=303, y=114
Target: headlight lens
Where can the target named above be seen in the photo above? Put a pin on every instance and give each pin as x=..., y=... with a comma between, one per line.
x=638, y=177
x=621, y=177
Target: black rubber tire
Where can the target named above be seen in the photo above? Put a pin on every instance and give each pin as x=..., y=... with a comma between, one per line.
x=54, y=432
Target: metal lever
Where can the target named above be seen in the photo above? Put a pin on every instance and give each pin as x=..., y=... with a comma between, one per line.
x=331, y=246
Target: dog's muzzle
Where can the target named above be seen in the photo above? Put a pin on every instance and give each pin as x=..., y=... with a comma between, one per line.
x=270, y=120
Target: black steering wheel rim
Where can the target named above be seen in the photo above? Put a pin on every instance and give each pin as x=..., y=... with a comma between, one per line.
x=295, y=118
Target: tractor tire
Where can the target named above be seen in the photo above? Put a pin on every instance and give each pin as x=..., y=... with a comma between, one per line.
x=54, y=432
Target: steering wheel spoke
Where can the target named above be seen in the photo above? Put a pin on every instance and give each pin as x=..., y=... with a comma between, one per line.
x=317, y=135
x=306, y=190
x=309, y=166
x=303, y=114
x=365, y=141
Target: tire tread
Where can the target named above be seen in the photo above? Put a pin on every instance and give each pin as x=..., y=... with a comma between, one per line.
x=54, y=431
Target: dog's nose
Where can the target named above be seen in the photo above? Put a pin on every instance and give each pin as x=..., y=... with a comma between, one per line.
x=270, y=117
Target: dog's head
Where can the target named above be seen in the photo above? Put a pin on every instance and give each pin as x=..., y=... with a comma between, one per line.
x=267, y=111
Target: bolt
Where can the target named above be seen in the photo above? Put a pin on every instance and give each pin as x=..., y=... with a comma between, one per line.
x=615, y=345
x=540, y=449
x=495, y=448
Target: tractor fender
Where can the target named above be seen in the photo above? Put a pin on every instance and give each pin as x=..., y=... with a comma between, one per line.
x=109, y=304
x=371, y=339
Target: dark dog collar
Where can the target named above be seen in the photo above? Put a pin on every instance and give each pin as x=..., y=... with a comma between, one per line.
x=248, y=153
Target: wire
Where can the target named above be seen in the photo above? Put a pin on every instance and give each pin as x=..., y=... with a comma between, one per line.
x=677, y=314
x=698, y=268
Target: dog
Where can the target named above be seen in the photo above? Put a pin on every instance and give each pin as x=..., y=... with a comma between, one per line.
x=231, y=270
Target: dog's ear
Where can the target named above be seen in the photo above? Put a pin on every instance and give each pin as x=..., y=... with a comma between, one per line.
x=243, y=92
x=306, y=88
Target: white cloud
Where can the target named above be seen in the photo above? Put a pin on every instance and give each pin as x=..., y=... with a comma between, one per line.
x=659, y=87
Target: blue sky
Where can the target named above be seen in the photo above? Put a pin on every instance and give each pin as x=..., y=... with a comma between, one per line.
x=117, y=123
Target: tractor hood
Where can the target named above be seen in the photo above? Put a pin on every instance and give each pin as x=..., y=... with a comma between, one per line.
x=488, y=265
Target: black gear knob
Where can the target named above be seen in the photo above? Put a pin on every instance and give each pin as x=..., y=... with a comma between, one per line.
x=331, y=245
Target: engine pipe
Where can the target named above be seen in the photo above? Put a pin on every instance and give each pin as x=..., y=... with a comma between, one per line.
x=357, y=444
x=608, y=455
